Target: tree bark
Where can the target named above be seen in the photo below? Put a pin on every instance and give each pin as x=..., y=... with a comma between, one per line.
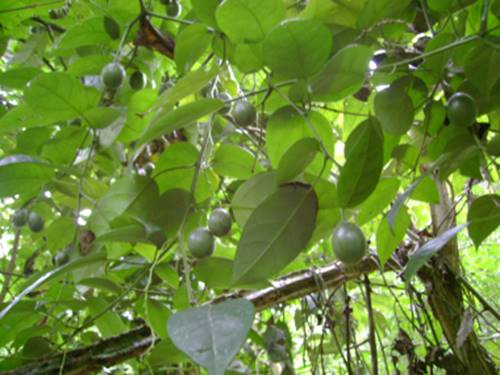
x=133, y=343
x=445, y=293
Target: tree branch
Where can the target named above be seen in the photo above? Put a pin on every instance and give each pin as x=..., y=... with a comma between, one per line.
x=133, y=343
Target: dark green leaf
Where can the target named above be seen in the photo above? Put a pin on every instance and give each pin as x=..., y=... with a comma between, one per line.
x=236, y=162
x=364, y=161
x=190, y=45
x=388, y=240
x=297, y=48
x=212, y=335
x=297, y=158
x=275, y=233
x=484, y=217
x=394, y=110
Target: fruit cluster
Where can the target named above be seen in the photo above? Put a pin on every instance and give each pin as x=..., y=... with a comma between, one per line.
x=201, y=241
x=22, y=217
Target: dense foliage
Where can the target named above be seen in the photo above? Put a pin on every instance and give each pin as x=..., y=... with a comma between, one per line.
x=249, y=186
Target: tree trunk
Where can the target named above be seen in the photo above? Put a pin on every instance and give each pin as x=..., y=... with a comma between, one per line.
x=445, y=293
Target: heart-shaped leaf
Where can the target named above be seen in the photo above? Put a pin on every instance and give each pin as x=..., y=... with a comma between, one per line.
x=212, y=335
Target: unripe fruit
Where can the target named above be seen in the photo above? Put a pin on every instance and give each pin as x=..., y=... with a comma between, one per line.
x=112, y=75
x=35, y=222
x=201, y=243
x=20, y=217
x=225, y=97
x=244, y=113
x=137, y=80
x=349, y=243
x=173, y=8
x=461, y=109
x=219, y=222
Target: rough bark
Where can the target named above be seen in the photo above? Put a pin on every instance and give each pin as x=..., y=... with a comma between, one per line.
x=445, y=293
x=133, y=343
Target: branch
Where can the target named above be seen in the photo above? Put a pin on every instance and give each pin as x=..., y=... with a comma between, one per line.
x=11, y=266
x=133, y=343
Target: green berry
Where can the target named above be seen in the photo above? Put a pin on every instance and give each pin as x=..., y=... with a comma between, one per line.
x=461, y=109
x=112, y=75
x=201, y=243
x=349, y=243
x=219, y=222
x=35, y=222
x=137, y=80
x=244, y=113
x=20, y=217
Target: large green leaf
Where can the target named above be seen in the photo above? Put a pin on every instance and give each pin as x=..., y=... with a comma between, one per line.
x=427, y=251
x=387, y=239
x=481, y=67
x=383, y=195
x=236, y=162
x=484, y=217
x=343, y=75
x=212, y=335
x=190, y=45
x=297, y=48
x=297, y=158
x=60, y=96
x=21, y=174
x=249, y=21
x=168, y=121
x=86, y=33
x=286, y=127
x=251, y=194
x=394, y=110
x=364, y=161
x=276, y=232
x=205, y=11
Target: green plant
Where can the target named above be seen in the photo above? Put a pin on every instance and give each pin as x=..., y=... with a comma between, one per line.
x=112, y=75
x=349, y=243
x=219, y=222
x=201, y=243
x=461, y=109
x=225, y=97
x=244, y=113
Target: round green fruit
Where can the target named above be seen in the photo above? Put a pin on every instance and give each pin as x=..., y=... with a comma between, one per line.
x=244, y=113
x=174, y=8
x=201, y=243
x=20, y=217
x=225, y=97
x=461, y=109
x=349, y=243
x=137, y=80
x=35, y=222
x=219, y=222
x=112, y=75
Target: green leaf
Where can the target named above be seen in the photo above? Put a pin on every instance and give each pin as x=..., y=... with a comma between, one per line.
x=276, y=232
x=212, y=335
x=364, y=161
x=108, y=322
x=249, y=57
x=190, y=45
x=101, y=117
x=400, y=201
x=249, y=21
x=394, y=110
x=343, y=75
x=18, y=78
x=191, y=83
x=60, y=96
x=426, y=191
x=388, y=240
x=168, y=121
x=377, y=10
x=297, y=48
x=427, y=251
x=156, y=315
x=286, y=126
x=236, y=162
x=168, y=274
x=481, y=67
x=111, y=27
x=251, y=194
x=205, y=11
x=484, y=217
x=21, y=174
x=215, y=272
x=86, y=33
x=297, y=158
x=436, y=62
x=383, y=195
x=60, y=233
x=101, y=283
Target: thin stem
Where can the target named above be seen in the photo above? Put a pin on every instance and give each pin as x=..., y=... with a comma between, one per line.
x=11, y=266
x=481, y=299
x=371, y=325
x=32, y=6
